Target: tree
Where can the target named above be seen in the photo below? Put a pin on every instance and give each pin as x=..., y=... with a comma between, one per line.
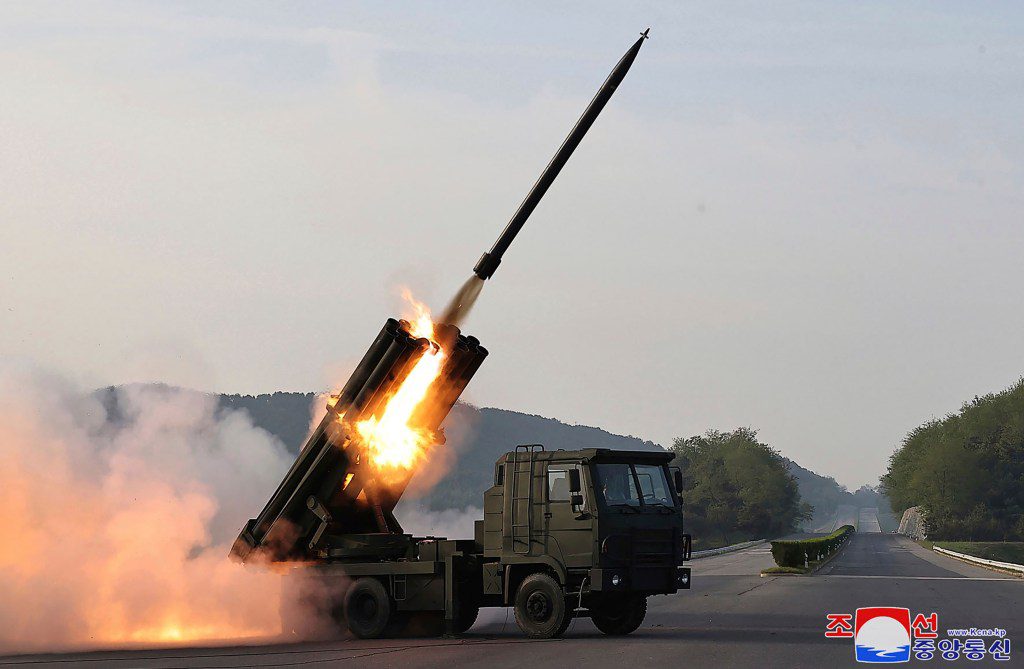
x=966, y=470
x=736, y=487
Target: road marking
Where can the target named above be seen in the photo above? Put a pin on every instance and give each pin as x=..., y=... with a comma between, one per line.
x=925, y=578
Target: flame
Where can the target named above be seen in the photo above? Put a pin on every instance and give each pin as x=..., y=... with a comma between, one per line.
x=391, y=439
x=175, y=632
x=421, y=323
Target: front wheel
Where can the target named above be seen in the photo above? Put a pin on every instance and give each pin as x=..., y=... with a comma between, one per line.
x=540, y=607
x=620, y=617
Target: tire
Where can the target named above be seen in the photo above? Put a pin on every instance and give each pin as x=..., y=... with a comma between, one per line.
x=367, y=608
x=540, y=607
x=620, y=617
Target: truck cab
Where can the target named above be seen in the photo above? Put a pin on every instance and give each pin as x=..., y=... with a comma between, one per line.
x=601, y=529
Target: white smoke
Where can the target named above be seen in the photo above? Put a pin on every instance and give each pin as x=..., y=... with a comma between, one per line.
x=420, y=521
x=117, y=527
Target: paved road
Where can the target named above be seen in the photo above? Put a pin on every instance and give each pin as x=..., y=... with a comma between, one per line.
x=868, y=521
x=732, y=617
x=845, y=515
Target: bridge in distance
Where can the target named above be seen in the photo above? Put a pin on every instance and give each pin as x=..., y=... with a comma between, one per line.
x=733, y=617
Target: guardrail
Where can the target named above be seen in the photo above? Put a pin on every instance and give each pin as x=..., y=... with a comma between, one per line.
x=696, y=555
x=1017, y=569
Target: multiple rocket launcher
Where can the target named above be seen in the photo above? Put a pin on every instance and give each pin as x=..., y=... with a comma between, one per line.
x=333, y=503
x=333, y=489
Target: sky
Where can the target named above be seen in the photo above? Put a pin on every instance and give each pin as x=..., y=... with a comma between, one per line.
x=802, y=218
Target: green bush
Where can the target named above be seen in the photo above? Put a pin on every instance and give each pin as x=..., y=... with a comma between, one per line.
x=788, y=553
x=801, y=552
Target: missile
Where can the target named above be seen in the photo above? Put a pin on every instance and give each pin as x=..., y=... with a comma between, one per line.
x=489, y=261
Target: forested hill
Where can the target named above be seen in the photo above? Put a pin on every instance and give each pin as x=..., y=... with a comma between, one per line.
x=821, y=492
x=826, y=495
x=479, y=436
x=476, y=437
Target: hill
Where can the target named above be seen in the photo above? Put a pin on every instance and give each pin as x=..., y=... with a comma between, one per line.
x=826, y=496
x=476, y=437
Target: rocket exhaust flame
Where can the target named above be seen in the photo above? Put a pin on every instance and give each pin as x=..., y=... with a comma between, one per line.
x=393, y=439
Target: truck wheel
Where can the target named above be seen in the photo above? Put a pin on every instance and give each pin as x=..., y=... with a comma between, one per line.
x=540, y=607
x=620, y=617
x=367, y=608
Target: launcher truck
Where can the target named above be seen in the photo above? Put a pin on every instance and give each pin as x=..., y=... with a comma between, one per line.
x=582, y=533
x=565, y=534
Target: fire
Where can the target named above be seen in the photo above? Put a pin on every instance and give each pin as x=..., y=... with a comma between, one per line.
x=390, y=439
x=175, y=632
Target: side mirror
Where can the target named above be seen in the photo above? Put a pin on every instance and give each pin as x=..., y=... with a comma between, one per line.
x=574, y=482
x=677, y=479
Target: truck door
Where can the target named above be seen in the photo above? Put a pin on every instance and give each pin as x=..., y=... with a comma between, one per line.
x=569, y=531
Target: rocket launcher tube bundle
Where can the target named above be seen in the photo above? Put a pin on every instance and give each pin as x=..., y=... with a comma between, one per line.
x=333, y=489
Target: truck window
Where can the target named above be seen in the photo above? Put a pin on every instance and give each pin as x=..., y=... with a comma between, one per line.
x=616, y=485
x=558, y=485
x=654, y=485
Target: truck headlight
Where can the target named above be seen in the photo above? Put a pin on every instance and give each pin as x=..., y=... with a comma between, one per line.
x=616, y=579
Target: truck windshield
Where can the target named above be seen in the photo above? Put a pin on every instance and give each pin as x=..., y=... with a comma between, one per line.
x=653, y=485
x=616, y=484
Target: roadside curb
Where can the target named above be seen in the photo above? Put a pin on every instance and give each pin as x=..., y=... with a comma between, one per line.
x=817, y=567
x=696, y=555
x=1005, y=567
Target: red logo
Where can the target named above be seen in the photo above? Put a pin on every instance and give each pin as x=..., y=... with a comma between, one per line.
x=882, y=634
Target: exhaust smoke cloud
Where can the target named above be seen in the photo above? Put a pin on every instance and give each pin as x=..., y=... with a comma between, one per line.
x=117, y=521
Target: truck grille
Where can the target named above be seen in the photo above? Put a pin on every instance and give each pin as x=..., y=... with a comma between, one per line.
x=653, y=547
x=643, y=547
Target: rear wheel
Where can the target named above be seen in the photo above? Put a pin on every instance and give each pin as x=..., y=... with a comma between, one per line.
x=540, y=607
x=619, y=617
x=367, y=608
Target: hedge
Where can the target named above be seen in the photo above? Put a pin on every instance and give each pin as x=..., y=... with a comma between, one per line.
x=801, y=552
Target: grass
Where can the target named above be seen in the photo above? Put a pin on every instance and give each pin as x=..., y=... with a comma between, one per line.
x=786, y=570
x=719, y=541
x=1002, y=551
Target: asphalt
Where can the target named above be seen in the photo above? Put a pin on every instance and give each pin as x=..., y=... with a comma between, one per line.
x=731, y=618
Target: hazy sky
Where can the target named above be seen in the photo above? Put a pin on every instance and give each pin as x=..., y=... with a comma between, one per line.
x=803, y=218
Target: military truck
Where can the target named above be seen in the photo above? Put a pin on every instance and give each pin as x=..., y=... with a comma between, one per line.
x=584, y=533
